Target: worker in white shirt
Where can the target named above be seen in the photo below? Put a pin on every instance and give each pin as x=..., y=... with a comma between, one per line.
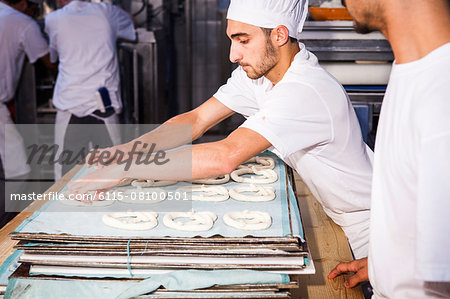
x=20, y=36
x=409, y=254
x=83, y=38
x=292, y=106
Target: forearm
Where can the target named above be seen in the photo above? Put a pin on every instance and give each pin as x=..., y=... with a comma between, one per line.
x=186, y=127
x=199, y=161
x=48, y=64
x=177, y=131
x=436, y=289
x=185, y=164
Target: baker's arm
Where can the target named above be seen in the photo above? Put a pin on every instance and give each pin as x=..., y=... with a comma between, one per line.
x=48, y=63
x=193, y=162
x=437, y=289
x=177, y=131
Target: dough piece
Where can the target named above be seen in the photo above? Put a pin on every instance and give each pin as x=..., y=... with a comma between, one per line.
x=140, y=195
x=125, y=182
x=260, y=193
x=263, y=163
x=87, y=203
x=206, y=193
x=265, y=176
x=200, y=221
x=151, y=183
x=214, y=181
x=248, y=220
x=131, y=220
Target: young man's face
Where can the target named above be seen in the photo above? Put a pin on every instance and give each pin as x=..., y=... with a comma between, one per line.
x=366, y=14
x=251, y=48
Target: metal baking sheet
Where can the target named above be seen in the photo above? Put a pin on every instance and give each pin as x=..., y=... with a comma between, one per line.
x=89, y=224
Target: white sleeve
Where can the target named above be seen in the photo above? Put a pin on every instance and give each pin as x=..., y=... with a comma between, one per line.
x=33, y=42
x=123, y=24
x=433, y=207
x=292, y=119
x=50, y=30
x=238, y=94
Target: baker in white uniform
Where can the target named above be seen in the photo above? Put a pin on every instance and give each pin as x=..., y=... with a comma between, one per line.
x=409, y=254
x=20, y=36
x=83, y=38
x=292, y=106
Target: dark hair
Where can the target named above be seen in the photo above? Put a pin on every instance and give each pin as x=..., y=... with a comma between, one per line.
x=12, y=2
x=268, y=31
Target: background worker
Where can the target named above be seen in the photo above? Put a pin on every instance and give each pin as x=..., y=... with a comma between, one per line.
x=20, y=36
x=409, y=253
x=293, y=107
x=83, y=38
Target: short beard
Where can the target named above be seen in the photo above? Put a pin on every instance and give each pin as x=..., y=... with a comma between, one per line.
x=268, y=62
x=363, y=28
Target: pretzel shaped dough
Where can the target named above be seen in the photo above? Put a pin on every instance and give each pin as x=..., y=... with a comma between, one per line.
x=260, y=193
x=151, y=183
x=131, y=220
x=248, y=220
x=200, y=221
x=263, y=162
x=206, y=193
x=265, y=176
x=214, y=181
x=84, y=203
x=141, y=195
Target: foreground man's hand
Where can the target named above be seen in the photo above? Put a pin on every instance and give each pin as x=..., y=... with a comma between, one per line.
x=103, y=179
x=359, y=267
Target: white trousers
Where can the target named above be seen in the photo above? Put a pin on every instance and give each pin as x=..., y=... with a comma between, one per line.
x=61, y=123
x=12, y=154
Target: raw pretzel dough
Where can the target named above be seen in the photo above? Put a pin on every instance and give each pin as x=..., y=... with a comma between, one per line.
x=263, y=163
x=125, y=182
x=201, y=221
x=87, y=203
x=208, y=193
x=151, y=183
x=260, y=193
x=265, y=176
x=131, y=220
x=214, y=181
x=248, y=220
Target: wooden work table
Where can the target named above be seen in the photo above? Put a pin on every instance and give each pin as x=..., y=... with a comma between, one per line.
x=326, y=240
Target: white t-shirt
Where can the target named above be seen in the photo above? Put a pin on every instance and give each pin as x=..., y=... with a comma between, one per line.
x=19, y=35
x=410, y=225
x=83, y=36
x=311, y=124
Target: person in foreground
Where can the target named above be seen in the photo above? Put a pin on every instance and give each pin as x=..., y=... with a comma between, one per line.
x=409, y=244
x=293, y=107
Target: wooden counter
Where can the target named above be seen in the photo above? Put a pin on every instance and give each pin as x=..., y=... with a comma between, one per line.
x=326, y=240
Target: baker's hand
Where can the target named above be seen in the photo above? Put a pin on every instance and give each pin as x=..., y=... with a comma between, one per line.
x=359, y=267
x=101, y=180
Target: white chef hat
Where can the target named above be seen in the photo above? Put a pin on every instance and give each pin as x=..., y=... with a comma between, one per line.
x=270, y=13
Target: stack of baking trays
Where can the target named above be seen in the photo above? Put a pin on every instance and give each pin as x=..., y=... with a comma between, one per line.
x=229, y=230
